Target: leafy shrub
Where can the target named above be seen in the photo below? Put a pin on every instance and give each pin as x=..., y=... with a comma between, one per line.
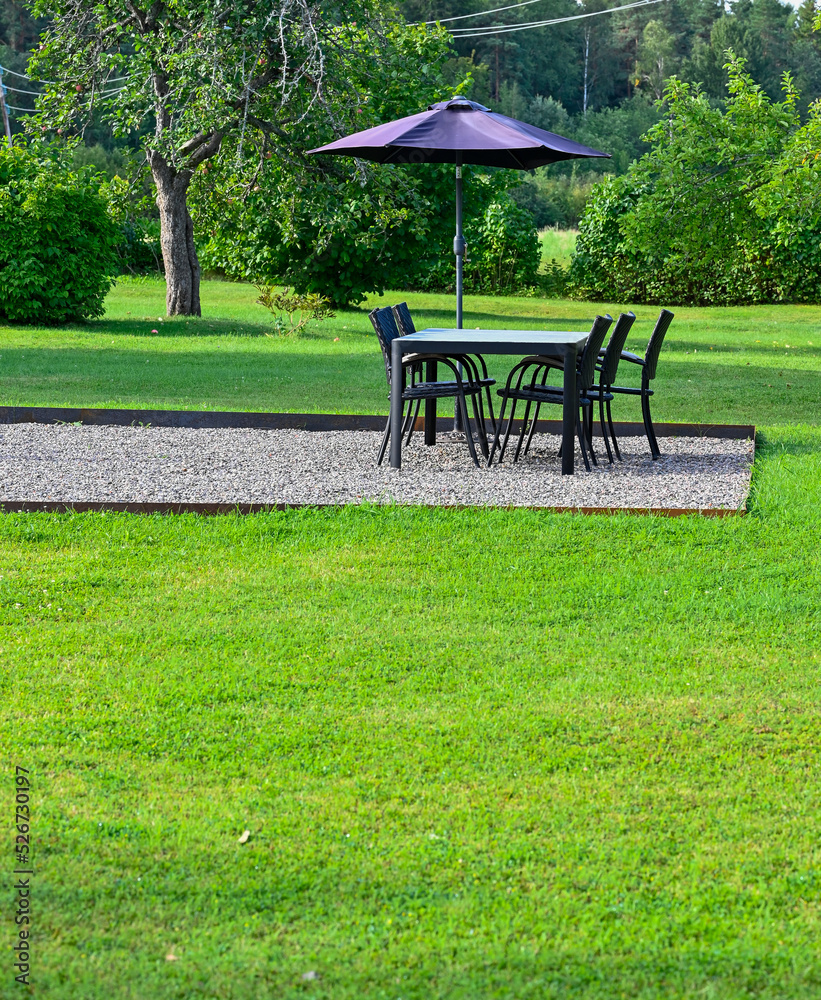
x=597, y=267
x=343, y=238
x=554, y=279
x=56, y=238
x=506, y=256
x=298, y=309
x=725, y=209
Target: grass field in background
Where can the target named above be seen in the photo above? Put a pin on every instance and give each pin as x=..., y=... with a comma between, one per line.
x=558, y=244
x=481, y=753
x=744, y=365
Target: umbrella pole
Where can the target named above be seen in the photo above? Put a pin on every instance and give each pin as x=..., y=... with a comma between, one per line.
x=459, y=247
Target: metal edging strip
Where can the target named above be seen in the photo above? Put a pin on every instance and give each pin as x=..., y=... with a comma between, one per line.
x=311, y=421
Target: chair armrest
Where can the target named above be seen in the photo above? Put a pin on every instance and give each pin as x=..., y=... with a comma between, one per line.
x=634, y=358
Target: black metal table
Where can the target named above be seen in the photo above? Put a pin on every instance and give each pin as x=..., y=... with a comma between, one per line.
x=518, y=342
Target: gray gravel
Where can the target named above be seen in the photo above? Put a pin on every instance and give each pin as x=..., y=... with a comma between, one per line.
x=40, y=462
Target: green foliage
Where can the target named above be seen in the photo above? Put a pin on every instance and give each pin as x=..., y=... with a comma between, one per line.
x=138, y=246
x=292, y=311
x=599, y=62
x=56, y=238
x=555, y=200
x=343, y=229
x=656, y=57
x=594, y=268
x=506, y=252
x=554, y=278
x=725, y=208
x=557, y=195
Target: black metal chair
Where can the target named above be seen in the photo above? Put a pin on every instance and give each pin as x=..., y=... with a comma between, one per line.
x=414, y=390
x=541, y=393
x=648, y=365
x=606, y=366
x=404, y=321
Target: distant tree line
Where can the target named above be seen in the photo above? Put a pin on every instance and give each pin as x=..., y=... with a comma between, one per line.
x=601, y=61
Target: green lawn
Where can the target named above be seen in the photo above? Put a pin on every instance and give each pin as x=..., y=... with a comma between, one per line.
x=754, y=365
x=481, y=754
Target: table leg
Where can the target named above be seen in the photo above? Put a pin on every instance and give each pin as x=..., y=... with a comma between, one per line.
x=396, y=404
x=568, y=412
x=431, y=374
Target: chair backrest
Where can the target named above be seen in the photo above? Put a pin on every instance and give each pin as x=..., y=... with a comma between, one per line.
x=612, y=356
x=590, y=352
x=651, y=355
x=402, y=315
x=386, y=332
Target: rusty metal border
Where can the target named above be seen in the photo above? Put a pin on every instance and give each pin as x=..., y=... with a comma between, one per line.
x=212, y=509
x=311, y=421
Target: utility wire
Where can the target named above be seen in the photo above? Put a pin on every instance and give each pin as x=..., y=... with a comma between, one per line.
x=39, y=93
x=507, y=28
x=5, y=69
x=478, y=13
x=35, y=93
x=24, y=77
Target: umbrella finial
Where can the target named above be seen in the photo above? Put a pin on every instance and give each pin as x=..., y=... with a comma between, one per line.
x=457, y=103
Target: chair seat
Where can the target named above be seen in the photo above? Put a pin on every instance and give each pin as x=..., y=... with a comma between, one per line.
x=434, y=390
x=629, y=391
x=552, y=394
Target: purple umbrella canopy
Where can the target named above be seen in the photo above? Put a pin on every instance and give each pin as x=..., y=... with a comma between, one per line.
x=460, y=131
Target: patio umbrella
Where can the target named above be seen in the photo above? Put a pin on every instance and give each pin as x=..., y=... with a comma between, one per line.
x=459, y=131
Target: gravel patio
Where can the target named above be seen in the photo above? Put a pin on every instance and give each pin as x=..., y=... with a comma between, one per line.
x=69, y=463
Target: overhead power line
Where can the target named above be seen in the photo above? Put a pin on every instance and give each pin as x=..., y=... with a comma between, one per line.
x=35, y=93
x=24, y=77
x=5, y=69
x=478, y=13
x=474, y=32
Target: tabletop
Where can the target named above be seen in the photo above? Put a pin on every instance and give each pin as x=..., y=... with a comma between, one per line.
x=494, y=341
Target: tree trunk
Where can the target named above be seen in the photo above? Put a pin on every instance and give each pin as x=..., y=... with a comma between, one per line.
x=182, y=266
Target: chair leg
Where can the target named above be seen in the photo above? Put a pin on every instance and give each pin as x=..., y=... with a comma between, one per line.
x=479, y=416
x=501, y=420
x=411, y=421
x=587, y=413
x=466, y=423
x=603, y=428
x=613, y=432
x=385, y=439
x=507, y=430
x=532, y=427
x=490, y=406
x=581, y=435
x=522, y=432
x=484, y=431
x=387, y=435
x=406, y=421
x=648, y=427
x=497, y=431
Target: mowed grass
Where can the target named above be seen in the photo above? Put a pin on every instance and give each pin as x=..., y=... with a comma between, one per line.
x=745, y=365
x=480, y=753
